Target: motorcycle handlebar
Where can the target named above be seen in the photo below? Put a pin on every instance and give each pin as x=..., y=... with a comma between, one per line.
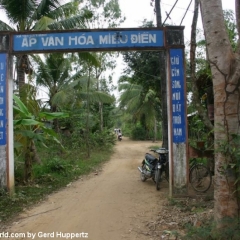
x=160, y=151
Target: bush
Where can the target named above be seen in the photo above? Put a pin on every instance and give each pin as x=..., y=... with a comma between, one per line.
x=138, y=133
x=208, y=231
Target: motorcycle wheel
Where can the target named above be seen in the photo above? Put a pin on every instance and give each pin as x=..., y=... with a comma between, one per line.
x=142, y=176
x=158, y=178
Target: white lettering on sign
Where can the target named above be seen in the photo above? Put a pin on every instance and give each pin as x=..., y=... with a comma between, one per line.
x=1, y=65
x=1, y=112
x=177, y=131
x=2, y=77
x=82, y=40
x=1, y=135
x=177, y=120
x=86, y=39
x=107, y=39
x=175, y=72
x=176, y=84
x=143, y=38
x=1, y=89
x=176, y=96
x=1, y=124
x=112, y=39
x=175, y=60
x=28, y=42
x=177, y=107
x=52, y=41
x=1, y=100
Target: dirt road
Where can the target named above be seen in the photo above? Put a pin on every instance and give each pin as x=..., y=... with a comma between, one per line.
x=112, y=205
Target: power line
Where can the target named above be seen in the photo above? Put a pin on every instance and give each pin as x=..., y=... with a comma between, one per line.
x=168, y=14
x=177, y=7
x=185, y=12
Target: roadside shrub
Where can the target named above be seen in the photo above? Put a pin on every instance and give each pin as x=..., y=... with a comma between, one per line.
x=208, y=231
x=58, y=165
x=138, y=133
x=102, y=139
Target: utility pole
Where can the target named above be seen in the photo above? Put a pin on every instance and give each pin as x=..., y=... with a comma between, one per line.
x=162, y=62
x=158, y=13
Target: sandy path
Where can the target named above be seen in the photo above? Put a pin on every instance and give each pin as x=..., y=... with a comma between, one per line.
x=112, y=205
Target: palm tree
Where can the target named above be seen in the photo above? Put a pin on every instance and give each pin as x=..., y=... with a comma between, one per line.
x=52, y=73
x=65, y=87
x=32, y=15
x=139, y=103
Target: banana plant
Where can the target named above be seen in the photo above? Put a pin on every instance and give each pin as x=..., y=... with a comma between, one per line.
x=30, y=128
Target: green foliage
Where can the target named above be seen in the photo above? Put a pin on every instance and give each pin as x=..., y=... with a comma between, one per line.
x=27, y=125
x=97, y=139
x=140, y=89
x=208, y=230
x=231, y=27
x=230, y=149
x=30, y=128
x=202, y=233
x=197, y=128
x=43, y=15
x=140, y=104
x=138, y=133
x=107, y=13
x=198, y=160
x=102, y=139
x=58, y=165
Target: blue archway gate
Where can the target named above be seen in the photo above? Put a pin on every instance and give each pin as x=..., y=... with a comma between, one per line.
x=169, y=39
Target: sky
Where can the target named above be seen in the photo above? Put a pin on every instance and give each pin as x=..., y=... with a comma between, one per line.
x=136, y=11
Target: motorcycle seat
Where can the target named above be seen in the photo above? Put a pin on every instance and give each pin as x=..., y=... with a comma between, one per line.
x=150, y=157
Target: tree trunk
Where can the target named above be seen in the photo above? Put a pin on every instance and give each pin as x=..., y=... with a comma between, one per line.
x=101, y=116
x=21, y=66
x=28, y=161
x=36, y=157
x=225, y=68
x=155, y=130
x=88, y=116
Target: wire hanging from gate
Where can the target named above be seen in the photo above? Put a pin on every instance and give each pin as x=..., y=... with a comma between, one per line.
x=185, y=12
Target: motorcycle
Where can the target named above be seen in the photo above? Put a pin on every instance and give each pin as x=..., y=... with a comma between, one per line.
x=154, y=168
x=119, y=137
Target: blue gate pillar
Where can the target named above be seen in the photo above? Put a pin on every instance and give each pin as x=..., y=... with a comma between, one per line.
x=177, y=122
x=6, y=116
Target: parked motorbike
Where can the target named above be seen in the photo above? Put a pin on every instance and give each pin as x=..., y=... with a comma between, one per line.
x=119, y=137
x=154, y=168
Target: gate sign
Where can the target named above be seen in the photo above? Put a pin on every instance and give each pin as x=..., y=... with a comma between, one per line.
x=178, y=95
x=88, y=40
x=3, y=99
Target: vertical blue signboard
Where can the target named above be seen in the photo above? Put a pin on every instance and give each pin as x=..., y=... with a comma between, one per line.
x=3, y=90
x=178, y=95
